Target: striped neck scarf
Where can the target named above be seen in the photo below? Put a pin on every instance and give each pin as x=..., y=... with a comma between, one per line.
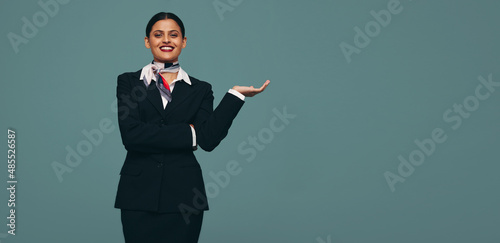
x=159, y=68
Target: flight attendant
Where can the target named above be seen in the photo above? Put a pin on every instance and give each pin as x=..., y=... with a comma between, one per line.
x=164, y=115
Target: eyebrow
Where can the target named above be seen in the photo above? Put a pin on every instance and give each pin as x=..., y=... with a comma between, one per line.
x=164, y=31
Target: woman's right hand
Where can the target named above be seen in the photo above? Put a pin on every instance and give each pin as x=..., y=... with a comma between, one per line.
x=251, y=91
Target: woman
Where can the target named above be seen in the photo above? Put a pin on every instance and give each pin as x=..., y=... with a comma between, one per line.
x=164, y=114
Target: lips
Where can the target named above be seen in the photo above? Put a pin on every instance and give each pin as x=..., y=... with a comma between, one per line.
x=166, y=48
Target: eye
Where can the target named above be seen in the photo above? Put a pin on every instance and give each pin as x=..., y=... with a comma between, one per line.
x=173, y=35
x=158, y=35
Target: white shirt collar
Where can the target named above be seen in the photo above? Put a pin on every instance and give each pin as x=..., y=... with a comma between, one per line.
x=147, y=75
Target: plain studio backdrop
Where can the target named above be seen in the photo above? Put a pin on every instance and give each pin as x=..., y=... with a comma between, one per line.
x=380, y=123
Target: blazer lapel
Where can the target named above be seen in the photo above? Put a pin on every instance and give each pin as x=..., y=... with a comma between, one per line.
x=181, y=92
x=153, y=94
x=154, y=97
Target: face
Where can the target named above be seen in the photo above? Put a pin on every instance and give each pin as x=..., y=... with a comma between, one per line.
x=165, y=41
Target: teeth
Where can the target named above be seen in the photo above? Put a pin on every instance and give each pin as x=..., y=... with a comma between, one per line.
x=166, y=48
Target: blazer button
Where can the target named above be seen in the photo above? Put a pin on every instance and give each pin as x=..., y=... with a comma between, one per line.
x=160, y=165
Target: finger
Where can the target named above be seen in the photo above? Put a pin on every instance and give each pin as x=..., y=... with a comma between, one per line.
x=264, y=86
x=267, y=83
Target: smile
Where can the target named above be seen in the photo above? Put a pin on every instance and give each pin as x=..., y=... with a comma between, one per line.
x=166, y=48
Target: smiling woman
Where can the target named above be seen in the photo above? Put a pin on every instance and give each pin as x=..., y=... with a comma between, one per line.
x=164, y=114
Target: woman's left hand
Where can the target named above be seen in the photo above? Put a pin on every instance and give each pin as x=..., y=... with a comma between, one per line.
x=251, y=91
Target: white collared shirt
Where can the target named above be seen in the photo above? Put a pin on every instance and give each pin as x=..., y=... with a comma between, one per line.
x=147, y=75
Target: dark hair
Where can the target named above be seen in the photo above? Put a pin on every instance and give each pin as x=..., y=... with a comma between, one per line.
x=161, y=16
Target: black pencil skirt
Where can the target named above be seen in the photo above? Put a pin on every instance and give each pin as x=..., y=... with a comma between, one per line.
x=150, y=227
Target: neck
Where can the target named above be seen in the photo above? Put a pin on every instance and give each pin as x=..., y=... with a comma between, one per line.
x=169, y=77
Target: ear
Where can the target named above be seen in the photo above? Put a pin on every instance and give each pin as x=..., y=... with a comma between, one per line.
x=184, y=42
x=146, y=42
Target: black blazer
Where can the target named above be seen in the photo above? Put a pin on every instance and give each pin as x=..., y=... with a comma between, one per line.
x=160, y=172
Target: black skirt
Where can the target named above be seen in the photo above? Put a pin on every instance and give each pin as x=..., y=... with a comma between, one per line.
x=150, y=227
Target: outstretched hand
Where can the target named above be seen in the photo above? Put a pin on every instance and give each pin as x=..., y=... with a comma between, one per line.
x=251, y=91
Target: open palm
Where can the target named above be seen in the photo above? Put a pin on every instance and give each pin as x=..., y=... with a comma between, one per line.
x=251, y=91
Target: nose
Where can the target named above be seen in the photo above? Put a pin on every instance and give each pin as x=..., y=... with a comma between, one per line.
x=166, y=39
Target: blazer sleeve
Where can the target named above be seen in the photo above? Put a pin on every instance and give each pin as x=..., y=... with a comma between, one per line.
x=146, y=137
x=212, y=126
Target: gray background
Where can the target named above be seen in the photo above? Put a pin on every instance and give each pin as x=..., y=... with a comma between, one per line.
x=320, y=179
